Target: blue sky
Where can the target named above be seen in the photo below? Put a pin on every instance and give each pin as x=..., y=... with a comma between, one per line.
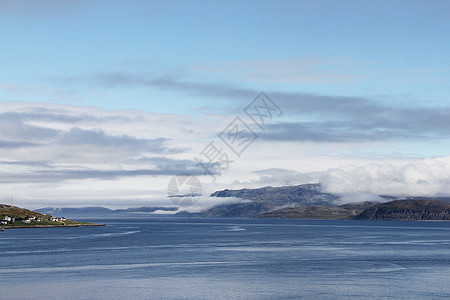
x=360, y=82
x=387, y=50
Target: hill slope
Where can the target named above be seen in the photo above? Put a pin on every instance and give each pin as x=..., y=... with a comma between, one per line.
x=407, y=210
x=14, y=211
x=16, y=217
x=347, y=211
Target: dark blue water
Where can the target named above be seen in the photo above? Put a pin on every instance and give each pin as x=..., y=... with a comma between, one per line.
x=228, y=259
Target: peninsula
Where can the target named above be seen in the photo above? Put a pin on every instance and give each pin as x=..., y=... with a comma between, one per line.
x=16, y=217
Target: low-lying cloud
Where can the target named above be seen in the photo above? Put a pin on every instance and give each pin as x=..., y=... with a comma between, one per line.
x=206, y=202
x=428, y=177
x=425, y=177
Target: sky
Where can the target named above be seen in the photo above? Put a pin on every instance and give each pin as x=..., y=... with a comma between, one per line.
x=103, y=102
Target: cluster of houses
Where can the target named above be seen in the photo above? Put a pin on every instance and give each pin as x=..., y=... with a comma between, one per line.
x=28, y=219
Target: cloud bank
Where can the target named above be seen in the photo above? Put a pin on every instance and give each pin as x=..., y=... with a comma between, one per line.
x=71, y=154
x=428, y=177
x=50, y=151
x=425, y=177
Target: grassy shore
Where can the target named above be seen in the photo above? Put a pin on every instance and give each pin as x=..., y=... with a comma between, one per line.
x=19, y=214
x=48, y=224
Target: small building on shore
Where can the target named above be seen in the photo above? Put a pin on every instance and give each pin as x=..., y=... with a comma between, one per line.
x=6, y=220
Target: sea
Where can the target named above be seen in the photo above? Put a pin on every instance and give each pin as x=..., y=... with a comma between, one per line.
x=173, y=258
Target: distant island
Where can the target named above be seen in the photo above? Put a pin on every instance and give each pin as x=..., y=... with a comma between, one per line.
x=16, y=217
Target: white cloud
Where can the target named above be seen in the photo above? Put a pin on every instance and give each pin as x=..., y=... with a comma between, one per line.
x=363, y=182
x=359, y=197
x=62, y=155
x=206, y=202
x=72, y=155
x=427, y=177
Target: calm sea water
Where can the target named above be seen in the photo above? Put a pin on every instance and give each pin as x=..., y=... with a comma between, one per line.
x=228, y=259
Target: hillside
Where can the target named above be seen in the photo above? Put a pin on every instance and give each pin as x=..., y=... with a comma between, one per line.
x=407, y=210
x=14, y=211
x=347, y=212
x=16, y=217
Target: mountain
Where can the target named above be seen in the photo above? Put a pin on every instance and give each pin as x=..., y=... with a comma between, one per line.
x=407, y=210
x=347, y=211
x=267, y=199
x=307, y=194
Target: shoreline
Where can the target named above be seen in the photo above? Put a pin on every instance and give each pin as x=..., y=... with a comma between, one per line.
x=49, y=226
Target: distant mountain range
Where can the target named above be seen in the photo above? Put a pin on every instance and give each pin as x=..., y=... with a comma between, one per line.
x=305, y=201
x=97, y=211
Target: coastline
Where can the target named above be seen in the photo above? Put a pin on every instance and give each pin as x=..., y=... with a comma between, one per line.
x=50, y=226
